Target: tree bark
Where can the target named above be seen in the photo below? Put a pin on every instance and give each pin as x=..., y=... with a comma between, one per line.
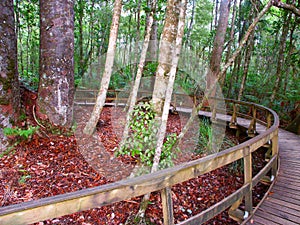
x=169, y=89
x=216, y=56
x=286, y=6
x=171, y=75
x=56, y=86
x=166, y=49
x=100, y=101
x=223, y=71
x=281, y=55
x=9, y=83
x=231, y=38
x=248, y=54
x=134, y=91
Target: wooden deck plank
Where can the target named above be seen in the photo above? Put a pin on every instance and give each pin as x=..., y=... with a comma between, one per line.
x=290, y=173
x=287, y=192
x=288, y=179
x=285, y=198
x=282, y=203
x=274, y=218
x=261, y=220
x=282, y=209
x=278, y=213
x=284, y=183
x=282, y=206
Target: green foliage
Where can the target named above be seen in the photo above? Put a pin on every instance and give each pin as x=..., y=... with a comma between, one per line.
x=141, y=142
x=20, y=133
x=203, y=16
x=28, y=41
x=24, y=177
x=205, y=137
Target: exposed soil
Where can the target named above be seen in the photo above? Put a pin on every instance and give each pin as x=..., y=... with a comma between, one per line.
x=49, y=165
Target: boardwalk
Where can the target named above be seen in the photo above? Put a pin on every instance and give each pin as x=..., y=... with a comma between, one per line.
x=282, y=206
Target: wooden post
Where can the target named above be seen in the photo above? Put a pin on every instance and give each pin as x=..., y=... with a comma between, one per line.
x=167, y=205
x=233, y=121
x=269, y=120
x=252, y=126
x=274, y=152
x=248, y=179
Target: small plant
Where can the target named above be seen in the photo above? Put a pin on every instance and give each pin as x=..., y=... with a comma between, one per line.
x=20, y=133
x=141, y=142
x=24, y=177
x=205, y=137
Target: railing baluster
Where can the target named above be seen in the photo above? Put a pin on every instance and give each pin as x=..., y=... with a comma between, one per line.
x=274, y=152
x=252, y=126
x=233, y=121
x=167, y=203
x=248, y=179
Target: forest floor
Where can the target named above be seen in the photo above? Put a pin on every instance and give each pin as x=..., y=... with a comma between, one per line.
x=53, y=164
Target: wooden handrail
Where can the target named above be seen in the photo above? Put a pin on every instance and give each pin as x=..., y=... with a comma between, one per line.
x=56, y=206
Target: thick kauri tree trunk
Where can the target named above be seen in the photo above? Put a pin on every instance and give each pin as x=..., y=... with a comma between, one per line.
x=56, y=86
x=9, y=84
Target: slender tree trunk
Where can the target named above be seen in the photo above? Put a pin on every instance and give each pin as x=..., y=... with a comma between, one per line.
x=280, y=62
x=231, y=39
x=134, y=91
x=216, y=56
x=216, y=13
x=91, y=124
x=80, y=38
x=248, y=54
x=241, y=25
x=171, y=75
x=291, y=50
x=56, y=86
x=189, y=31
x=247, y=60
x=136, y=53
x=226, y=66
x=153, y=44
x=169, y=90
x=165, y=55
x=9, y=83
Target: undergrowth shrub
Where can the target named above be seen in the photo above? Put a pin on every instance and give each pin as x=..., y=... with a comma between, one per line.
x=142, y=139
x=21, y=134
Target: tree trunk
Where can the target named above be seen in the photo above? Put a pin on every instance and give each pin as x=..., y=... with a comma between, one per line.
x=246, y=65
x=100, y=101
x=175, y=54
x=169, y=89
x=134, y=91
x=9, y=83
x=152, y=48
x=189, y=31
x=288, y=58
x=165, y=55
x=226, y=66
x=231, y=39
x=281, y=55
x=80, y=37
x=216, y=56
x=56, y=86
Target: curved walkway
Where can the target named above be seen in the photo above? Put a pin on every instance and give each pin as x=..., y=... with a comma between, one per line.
x=282, y=205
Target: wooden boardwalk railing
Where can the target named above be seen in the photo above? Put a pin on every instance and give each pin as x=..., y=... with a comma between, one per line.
x=282, y=204
x=51, y=207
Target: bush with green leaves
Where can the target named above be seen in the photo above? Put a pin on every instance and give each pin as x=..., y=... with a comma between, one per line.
x=20, y=133
x=141, y=142
x=205, y=137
